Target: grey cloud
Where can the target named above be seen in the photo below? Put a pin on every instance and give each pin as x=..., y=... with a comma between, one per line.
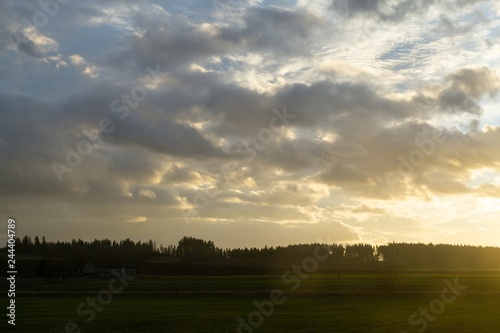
x=28, y=144
x=458, y=101
x=358, y=5
x=443, y=171
x=6, y=25
x=14, y=18
x=165, y=136
x=353, y=112
x=151, y=125
x=34, y=133
x=274, y=29
x=132, y=164
x=387, y=10
x=347, y=107
x=476, y=82
x=346, y=176
x=466, y=87
x=173, y=40
x=381, y=9
x=472, y=149
x=169, y=41
x=27, y=46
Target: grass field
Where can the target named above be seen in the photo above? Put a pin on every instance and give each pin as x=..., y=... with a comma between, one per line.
x=321, y=303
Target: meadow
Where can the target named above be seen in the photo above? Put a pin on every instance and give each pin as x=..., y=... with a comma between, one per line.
x=320, y=303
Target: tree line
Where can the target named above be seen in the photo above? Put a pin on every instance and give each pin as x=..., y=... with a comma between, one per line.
x=105, y=251
x=191, y=249
x=417, y=255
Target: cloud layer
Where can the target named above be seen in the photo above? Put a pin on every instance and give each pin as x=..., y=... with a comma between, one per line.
x=252, y=123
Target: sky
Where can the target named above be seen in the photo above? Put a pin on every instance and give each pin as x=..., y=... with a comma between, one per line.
x=251, y=122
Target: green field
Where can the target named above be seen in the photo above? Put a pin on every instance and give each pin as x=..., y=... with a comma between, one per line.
x=321, y=303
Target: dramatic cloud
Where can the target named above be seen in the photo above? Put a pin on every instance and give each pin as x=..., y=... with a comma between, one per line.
x=251, y=122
